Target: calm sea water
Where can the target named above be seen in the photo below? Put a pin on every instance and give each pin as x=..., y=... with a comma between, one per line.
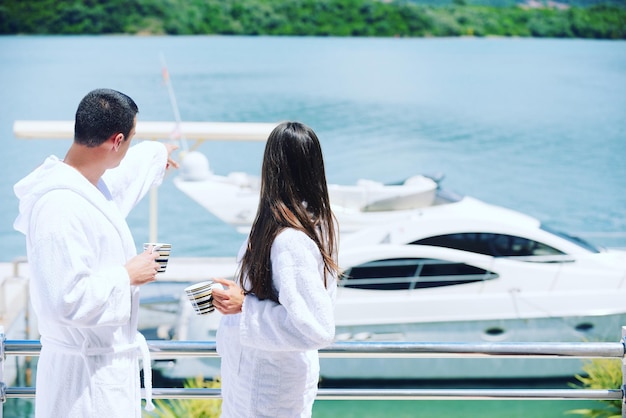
x=534, y=125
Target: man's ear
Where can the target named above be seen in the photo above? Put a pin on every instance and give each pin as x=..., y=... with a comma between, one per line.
x=117, y=140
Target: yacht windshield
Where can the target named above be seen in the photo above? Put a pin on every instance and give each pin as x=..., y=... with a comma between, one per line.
x=504, y=245
x=495, y=245
x=576, y=240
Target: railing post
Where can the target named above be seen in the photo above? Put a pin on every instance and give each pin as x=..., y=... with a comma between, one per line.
x=623, y=373
x=3, y=386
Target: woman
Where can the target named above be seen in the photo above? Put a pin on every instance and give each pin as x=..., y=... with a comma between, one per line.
x=281, y=311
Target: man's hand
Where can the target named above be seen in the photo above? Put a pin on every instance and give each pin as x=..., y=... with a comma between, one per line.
x=142, y=268
x=170, y=161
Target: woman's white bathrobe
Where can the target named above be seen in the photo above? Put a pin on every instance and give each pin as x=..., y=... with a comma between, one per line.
x=77, y=243
x=270, y=364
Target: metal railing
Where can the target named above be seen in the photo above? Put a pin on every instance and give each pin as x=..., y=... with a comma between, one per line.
x=169, y=349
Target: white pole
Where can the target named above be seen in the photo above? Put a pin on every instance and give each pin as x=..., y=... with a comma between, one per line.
x=154, y=215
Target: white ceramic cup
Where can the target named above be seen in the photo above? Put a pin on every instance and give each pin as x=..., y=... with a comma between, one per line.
x=201, y=296
x=164, y=253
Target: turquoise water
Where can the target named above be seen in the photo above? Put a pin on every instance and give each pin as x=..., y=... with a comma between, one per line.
x=448, y=409
x=537, y=125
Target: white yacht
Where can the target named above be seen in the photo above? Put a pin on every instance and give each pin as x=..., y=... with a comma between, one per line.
x=462, y=270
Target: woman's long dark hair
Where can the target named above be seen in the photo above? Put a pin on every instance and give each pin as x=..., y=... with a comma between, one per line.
x=294, y=194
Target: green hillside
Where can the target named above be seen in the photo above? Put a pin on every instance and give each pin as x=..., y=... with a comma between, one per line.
x=405, y=18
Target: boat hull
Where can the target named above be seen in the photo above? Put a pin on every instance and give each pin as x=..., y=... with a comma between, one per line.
x=605, y=328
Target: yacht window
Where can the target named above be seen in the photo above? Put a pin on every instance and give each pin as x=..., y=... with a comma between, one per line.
x=496, y=245
x=412, y=273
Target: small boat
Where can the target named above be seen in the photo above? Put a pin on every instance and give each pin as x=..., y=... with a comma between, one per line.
x=234, y=198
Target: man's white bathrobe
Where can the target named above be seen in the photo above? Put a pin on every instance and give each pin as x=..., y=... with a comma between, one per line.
x=270, y=363
x=77, y=243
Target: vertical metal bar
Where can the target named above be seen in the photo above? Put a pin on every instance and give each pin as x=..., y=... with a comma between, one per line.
x=623, y=373
x=3, y=386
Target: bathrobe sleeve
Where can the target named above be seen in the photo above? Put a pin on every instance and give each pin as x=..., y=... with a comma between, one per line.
x=141, y=168
x=304, y=319
x=72, y=287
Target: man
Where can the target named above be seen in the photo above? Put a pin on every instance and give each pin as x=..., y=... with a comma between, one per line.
x=85, y=274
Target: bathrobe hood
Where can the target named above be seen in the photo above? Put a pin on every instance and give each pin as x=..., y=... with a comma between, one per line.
x=53, y=174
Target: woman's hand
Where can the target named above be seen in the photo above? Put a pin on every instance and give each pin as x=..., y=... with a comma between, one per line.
x=228, y=300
